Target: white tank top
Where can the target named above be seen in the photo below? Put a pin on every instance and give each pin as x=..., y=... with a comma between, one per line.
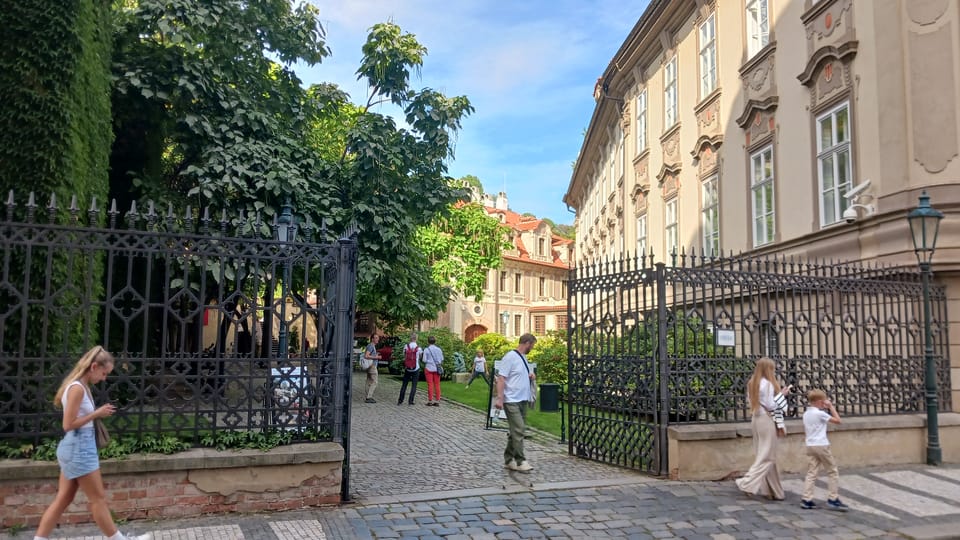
x=86, y=405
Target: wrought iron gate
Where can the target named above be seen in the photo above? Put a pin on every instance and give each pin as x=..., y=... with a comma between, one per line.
x=652, y=345
x=217, y=325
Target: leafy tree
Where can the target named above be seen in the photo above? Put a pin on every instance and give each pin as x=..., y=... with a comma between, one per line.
x=462, y=246
x=210, y=112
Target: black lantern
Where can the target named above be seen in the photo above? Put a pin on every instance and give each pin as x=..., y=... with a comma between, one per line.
x=924, y=226
x=286, y=234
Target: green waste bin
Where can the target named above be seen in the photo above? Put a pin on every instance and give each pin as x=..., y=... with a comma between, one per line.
x=549, y=397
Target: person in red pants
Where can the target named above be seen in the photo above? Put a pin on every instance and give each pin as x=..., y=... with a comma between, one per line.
x=433, y=362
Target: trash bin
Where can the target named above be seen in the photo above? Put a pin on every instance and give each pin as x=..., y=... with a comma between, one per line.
x=549, y=397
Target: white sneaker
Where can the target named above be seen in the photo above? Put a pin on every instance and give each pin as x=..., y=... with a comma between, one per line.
x=147, y=536
x=509, y=465
x=523, y=466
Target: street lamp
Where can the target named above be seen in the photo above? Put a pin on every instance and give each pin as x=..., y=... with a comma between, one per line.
x=505, y=318
x=286, y=234
x=924, y=226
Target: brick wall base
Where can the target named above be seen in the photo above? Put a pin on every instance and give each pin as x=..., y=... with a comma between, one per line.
x=189, y=484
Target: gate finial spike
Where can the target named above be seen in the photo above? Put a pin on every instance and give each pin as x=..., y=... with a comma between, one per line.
x=205, y=220
x=113, y=213
x=10, y=205
x=74, y=211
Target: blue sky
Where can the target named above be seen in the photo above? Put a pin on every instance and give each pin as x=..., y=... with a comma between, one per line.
x=528, y=67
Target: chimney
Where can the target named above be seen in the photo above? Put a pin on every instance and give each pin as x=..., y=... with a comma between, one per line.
x=488, y=200
x=502, y=201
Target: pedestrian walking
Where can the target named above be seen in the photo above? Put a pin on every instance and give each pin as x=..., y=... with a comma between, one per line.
x=479, y=368
x=515, y=383
x=372, y=359
x=820, y=412
x=77, y=451
x=411, y=368
x=767, y=403
x=433, y=368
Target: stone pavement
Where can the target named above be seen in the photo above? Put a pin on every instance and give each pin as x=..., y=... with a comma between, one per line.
x=402, y=449
x=435, y=473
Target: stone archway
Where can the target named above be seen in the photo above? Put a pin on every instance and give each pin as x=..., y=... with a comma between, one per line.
x=472, y=331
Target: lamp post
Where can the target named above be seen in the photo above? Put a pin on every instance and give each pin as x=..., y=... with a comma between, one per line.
x=924, y=226
x=286, y=234
x=505, y=318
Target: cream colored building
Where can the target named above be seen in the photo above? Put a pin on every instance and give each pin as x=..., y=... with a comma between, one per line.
x=739, y=125
x=528, y=293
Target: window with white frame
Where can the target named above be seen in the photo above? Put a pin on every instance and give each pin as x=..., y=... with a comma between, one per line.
x=642, y=234
x=642, y=121
x=670, y=93
x=758, y=26
x=833, y=162
x=671, y=228
x=711, y=216
x=541, y=250
x=517, y=281
x=708, y=56
x=543, y=286
x=762, y=174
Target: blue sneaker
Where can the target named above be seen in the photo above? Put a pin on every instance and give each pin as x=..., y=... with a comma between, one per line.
x=808, y=505
x=837, y=504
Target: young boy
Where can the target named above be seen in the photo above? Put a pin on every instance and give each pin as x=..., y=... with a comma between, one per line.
x=820, y=411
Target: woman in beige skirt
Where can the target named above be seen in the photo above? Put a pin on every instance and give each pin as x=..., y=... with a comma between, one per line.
x=767, y=403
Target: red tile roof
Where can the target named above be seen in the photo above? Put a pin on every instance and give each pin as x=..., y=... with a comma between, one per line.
x=521, y=223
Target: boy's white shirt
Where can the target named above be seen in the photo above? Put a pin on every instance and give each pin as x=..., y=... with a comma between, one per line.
x=815, y=422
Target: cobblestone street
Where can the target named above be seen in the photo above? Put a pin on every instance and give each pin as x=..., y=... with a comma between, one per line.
x=433, y=473
x=403, y=449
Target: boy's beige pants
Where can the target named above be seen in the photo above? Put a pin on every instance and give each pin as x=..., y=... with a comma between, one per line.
x=817, y=457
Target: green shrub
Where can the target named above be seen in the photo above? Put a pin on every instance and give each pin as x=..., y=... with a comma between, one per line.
x=494, y=347
x=550, y=355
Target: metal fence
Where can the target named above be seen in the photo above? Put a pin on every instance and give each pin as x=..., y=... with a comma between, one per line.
x=216, y=325
x=653, y=345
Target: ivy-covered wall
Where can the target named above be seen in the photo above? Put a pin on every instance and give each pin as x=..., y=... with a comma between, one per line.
x=55, y=138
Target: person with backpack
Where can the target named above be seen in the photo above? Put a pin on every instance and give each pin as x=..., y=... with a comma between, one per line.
x=411, y=368
x=433, y=366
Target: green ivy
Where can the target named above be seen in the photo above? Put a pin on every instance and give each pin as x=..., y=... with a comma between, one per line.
x=55, y=139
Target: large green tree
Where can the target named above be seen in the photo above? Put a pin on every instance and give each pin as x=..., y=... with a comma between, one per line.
x=210, y=112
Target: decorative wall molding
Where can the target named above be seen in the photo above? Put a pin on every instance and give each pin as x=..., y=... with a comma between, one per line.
x=708, y=158
x=670, y=144
x=932, y=93
x=843, y=53
x=927, y=12
x=757, y=75
x=752, y=107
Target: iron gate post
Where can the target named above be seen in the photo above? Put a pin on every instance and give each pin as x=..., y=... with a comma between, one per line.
x=346, y=284
x=663, y=366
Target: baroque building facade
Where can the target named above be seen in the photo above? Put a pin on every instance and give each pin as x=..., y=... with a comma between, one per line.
x=796, y=127
x=527, y=293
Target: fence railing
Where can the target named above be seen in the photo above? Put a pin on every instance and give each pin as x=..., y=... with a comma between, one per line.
x=195, y=310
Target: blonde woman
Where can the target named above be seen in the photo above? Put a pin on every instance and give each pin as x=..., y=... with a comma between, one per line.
x=767, y=403
x=77, y=452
